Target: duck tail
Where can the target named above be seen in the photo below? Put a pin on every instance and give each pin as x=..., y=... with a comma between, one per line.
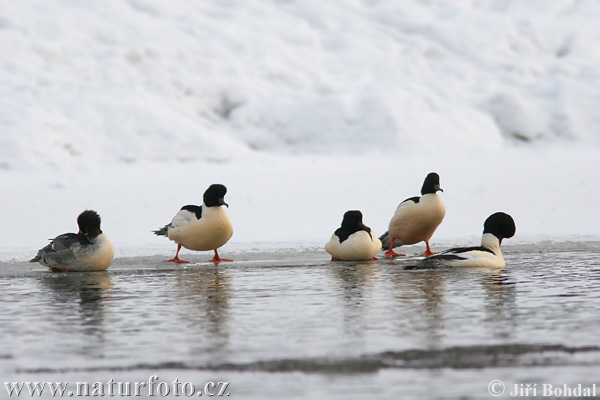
x=164, y=231
x=386, y=240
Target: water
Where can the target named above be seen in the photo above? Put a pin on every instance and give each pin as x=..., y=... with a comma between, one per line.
x=295, y=325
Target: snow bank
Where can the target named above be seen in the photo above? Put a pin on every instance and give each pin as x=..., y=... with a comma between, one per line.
x=125, y=81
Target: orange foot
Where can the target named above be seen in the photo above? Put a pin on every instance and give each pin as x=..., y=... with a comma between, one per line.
x=217, y=259
x=391, y=253
x=334, y=259
x=427, y=252
x=177, y=260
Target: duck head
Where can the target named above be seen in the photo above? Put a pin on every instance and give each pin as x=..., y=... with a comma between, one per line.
x=214, y=196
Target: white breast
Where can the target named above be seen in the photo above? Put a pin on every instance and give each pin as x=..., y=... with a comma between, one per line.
x=416, y=222
x=360, y=246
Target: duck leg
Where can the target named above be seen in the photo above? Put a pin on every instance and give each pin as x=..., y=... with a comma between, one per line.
x=216, y=258
x=176, y=259
x=427, y=252
x=392, y=253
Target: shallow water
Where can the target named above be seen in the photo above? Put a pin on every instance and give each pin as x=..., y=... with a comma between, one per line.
x=295, y=325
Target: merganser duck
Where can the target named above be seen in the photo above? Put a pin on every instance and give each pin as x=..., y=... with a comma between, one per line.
x=353, y=241
x=87, y=250
x=416, y=218
x=497, y=226
x=201, y=228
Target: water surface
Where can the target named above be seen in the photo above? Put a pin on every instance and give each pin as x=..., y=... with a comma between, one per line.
x=295, y=325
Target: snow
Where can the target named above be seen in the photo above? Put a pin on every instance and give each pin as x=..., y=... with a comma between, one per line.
x=303, y=109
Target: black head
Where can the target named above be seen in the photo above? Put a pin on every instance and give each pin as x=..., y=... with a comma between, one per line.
x=353, y=220
x=500, y=225
x=351, y=223
x=89, y=223
x=214, y=195
x=431, y=184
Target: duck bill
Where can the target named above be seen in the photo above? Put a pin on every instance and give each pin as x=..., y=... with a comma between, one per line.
x=222, y=202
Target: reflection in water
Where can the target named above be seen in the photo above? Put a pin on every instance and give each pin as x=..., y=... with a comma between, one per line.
x=500, y=302
x=421, y=297
x=206, y=306
x=78, y=300
x=355, y=276
x=284, y=316
x=355, y=280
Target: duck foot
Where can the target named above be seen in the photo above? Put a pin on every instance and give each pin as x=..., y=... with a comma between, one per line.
x=391, y=253
x=217, y=259
x=427, y=252
x=176, y=259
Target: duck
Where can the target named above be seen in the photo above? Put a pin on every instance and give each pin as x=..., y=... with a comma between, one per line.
x=87, y=250
x=416, y=218
x=353, y=241
x=496, y=227
x=201, y=228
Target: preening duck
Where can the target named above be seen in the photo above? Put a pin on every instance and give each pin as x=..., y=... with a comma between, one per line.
x=353, y=241
x=497, y=226
x=416, y=218
x=87, y=250
x=201, y=228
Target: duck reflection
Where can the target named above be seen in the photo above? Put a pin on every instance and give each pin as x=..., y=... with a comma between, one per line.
x=421, y=298
x=79, y=300
x=355, y=276
x=356, y=280
x=500, y=302
x=206, y=306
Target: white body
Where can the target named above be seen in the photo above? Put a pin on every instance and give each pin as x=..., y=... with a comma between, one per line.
x=96, y=256
x=416, y=222
x=210, y=232
x=360, y=246
x=473, y=258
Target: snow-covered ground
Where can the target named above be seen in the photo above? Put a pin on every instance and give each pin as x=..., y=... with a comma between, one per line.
x=303, y=109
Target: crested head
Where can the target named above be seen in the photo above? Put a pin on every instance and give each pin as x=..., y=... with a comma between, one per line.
x=215, y=195
x=500, y=225
x=89, y=224
x=431, y=184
